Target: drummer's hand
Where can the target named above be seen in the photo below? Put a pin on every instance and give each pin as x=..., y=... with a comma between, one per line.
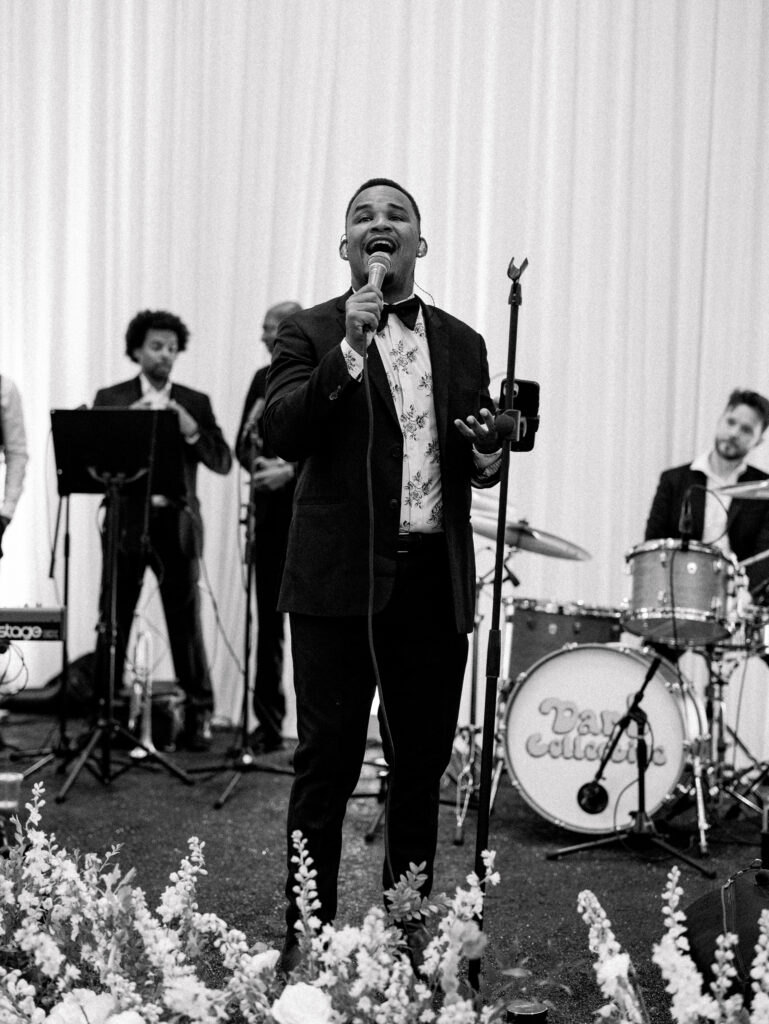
x=482, y=433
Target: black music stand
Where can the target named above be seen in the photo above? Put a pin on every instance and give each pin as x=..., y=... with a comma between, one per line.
x=118, y=453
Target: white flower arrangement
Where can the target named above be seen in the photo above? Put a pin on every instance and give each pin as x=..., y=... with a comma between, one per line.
x=78, y=945
x=691, y=1002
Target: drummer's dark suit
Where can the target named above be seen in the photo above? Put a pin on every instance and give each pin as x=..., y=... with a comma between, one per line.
x=748, y=520
x=176, y=544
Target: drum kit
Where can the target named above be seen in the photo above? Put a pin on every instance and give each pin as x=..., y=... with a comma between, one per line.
x=563, y=704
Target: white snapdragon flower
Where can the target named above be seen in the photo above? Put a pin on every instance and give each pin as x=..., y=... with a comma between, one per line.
x=47, y=955
x=7, y=897
x=188, y=996
x=17, y=996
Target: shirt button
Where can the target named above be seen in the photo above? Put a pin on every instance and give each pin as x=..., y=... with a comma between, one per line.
x=394, y=503
x=395, y=451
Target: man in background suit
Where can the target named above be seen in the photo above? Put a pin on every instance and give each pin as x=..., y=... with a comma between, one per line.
x=174, y=544
x=411, y=577
x=737, y=525
x=271, y=493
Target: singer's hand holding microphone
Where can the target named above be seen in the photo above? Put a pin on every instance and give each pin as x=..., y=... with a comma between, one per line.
x=364, y=307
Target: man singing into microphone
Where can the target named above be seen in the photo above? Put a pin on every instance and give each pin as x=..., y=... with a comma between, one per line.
x=424, y=408
x=686, y=502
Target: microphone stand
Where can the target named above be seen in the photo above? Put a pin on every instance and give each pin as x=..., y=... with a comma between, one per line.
x=511, y=426
x=65, y=748
x=243, y=758
x=643, y=831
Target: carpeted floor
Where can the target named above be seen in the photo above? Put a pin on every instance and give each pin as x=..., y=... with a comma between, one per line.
x=531, y=917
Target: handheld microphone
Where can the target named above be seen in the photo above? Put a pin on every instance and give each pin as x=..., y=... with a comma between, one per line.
x=592, y=797
x=378, y=265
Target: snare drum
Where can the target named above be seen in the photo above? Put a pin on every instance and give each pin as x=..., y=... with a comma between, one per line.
x=679, y=596
x=539, y=627
x=559, y=720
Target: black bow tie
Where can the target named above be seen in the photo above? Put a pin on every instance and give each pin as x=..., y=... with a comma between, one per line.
x=406, y=311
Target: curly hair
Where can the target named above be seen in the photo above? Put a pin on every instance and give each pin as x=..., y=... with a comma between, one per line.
x=754, y=401
x=153, y=319
x=391, y=184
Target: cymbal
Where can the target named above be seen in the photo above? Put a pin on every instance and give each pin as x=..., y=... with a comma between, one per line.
x=751, y=489
x=526, y=538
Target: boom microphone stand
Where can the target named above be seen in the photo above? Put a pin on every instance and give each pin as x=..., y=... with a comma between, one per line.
x=593, y=797
x=242, y=759
x=64, y=748
x=517, y=433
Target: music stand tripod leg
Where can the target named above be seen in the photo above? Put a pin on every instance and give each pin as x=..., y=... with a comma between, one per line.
x=151, y=753
x=80, y=762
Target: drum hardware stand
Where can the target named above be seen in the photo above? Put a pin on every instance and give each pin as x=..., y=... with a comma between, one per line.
x=726, y=781
x=467, y=750
x=593, y=797
x=242, y=760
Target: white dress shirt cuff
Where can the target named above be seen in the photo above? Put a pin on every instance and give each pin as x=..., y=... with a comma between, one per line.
x=353, y=360
x=486, y=464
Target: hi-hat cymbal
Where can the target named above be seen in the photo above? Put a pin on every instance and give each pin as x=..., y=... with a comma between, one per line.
x=751, y=489
x=524, y=537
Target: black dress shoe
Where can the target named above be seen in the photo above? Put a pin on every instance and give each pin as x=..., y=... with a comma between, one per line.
x=290, y=957
x=416, y=937
x=262, y=742
x=197, y=734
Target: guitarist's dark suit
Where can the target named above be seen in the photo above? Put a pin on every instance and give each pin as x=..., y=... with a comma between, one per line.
x=176, y=543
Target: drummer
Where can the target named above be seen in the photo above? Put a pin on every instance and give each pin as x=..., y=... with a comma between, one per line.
x=686, y=504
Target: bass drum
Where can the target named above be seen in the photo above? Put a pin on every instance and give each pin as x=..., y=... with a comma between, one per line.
x=559, y=719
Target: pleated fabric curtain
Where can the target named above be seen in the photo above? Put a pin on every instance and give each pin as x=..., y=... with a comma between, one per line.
x=198, y=155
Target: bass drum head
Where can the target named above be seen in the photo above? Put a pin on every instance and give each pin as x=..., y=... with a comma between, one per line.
x=559, y=721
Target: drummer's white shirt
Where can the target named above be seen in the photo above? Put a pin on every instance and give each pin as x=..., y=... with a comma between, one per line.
x=716, y=505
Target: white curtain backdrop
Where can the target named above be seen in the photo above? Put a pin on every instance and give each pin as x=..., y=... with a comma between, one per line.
x=198, y=155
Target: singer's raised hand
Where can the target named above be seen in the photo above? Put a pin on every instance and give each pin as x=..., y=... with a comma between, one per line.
x=362, y=312
x=482, y=433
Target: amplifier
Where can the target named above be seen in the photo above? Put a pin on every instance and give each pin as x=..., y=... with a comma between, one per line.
x=17, y=624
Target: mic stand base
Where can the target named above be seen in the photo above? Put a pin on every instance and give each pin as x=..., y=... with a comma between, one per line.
x=242, y=760
x=643, y=833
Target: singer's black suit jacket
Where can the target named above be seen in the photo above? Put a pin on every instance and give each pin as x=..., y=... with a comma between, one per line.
x=747, y=522
x=316, y=415
x=211, y=449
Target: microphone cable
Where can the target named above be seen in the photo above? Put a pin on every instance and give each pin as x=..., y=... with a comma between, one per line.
x=383, y=722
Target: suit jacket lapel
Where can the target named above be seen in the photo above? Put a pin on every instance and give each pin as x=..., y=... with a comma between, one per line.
x=735, y=506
